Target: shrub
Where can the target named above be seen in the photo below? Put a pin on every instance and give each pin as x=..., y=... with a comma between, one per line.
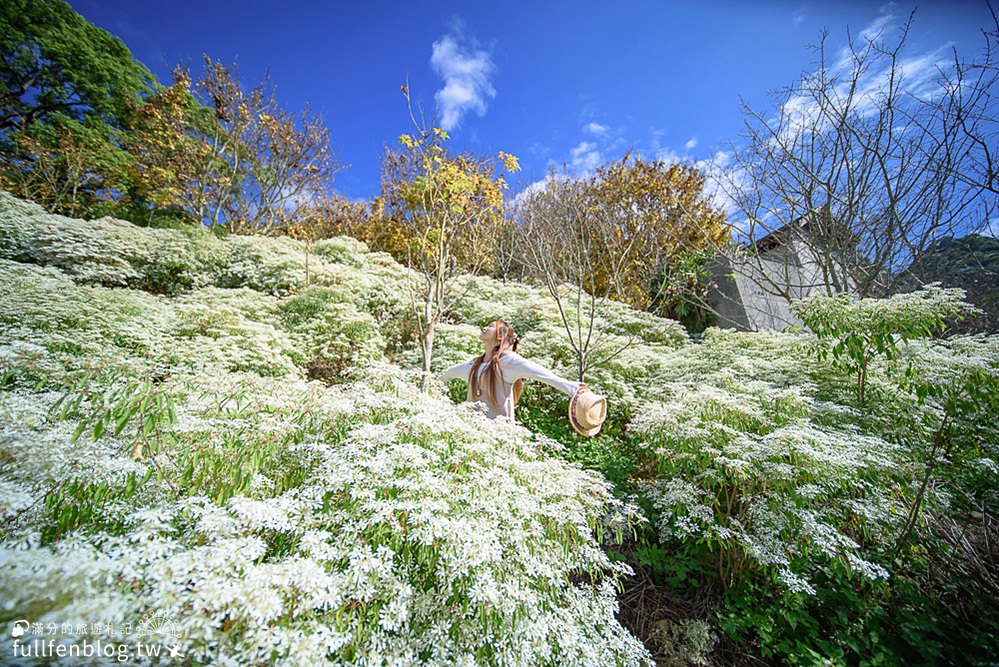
x=272, y=266
x=859, y=331
x=342, y=250
x=361, y=520
x=336, y=337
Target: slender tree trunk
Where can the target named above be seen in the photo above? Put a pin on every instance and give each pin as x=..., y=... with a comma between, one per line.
x=308, y=249
x=428, y=352
x=430, y=322
x=910, y=524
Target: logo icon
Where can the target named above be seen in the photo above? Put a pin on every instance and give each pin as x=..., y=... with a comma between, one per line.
x=166, y=629
x=20, y=627
x=159, y=624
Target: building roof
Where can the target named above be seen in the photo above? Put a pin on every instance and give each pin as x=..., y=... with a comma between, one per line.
x=779, y=236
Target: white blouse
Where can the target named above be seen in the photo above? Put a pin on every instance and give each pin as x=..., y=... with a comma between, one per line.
x=513, y=367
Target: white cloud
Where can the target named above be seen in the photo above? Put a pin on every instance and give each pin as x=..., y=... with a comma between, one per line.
x=531, y=189
x=797, y=18
x=877, y=27
x=586, y=156
x=539, y=148
x=724, y=178
x=668, y=155
x=598, y=144
x=465, y=71
x=918, y=75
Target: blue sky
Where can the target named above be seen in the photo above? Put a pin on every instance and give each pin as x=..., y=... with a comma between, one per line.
x=573, y=83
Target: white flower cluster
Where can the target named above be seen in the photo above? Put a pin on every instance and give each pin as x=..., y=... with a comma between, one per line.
x=291, y=523
x=900, y=312
x=422, y=533
x=169, y=261
x=412, y=530
x=752, y=461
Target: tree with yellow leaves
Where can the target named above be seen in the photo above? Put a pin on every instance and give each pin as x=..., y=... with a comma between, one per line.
x=229, y=157
x=168, y=157
x=650, y=215
x=448, y=210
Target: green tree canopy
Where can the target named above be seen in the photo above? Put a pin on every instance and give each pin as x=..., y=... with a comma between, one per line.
x=52, y=61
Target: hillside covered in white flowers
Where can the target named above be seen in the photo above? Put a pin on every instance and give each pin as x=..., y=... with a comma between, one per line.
x=194, y=430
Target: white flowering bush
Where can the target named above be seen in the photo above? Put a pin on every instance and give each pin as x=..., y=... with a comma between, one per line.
x=394, y=528
x=71, y=326
x=166, y=457
x=172, y=261
x=165, y=453
x=108, y=251
x=453, y=344
x=857, y=332
x=342, y=249
x=335, y=332
x=746, y=465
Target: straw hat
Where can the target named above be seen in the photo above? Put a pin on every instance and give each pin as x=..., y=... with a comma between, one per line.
x=587, y=411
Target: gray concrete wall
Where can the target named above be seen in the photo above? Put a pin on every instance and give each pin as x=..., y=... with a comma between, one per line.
x=766, y=307
x=725, y=298
x=813, y=279
x=755, y=292
x=751, y=291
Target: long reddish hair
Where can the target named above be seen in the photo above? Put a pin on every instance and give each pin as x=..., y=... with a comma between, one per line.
x=507, y=340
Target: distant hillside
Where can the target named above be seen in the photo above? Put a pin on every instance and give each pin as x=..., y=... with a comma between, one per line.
x=971, y=263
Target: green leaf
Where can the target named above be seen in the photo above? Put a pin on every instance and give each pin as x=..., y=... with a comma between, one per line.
x=80, y=428
x=99, y=428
